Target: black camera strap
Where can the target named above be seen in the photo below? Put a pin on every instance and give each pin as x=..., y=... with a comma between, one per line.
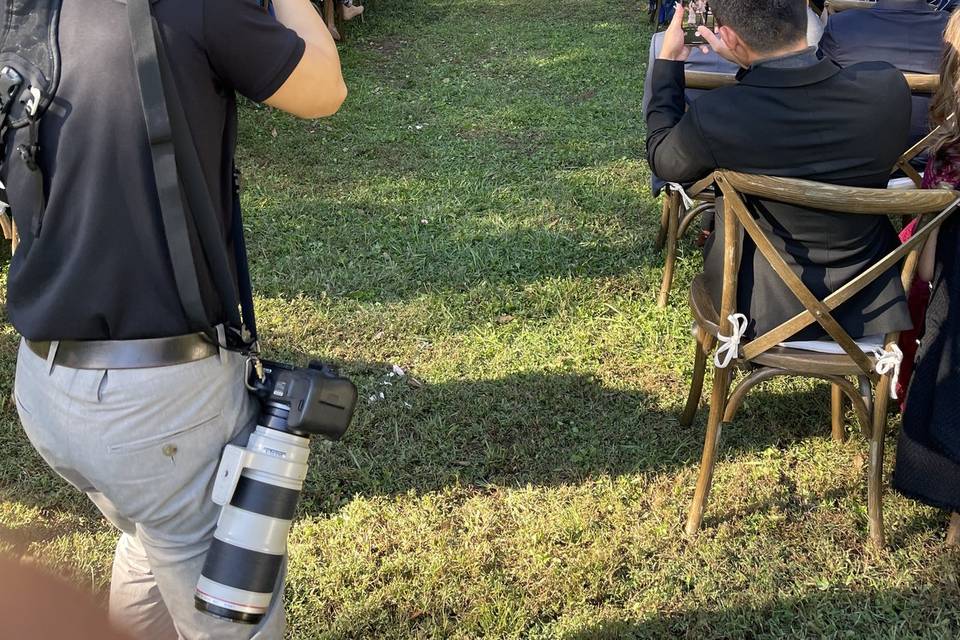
x=243, y=264
x=184, y=195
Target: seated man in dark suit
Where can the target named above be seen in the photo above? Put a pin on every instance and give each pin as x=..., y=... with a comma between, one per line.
x=706, y=60
x=791, y=115
x=906, y=33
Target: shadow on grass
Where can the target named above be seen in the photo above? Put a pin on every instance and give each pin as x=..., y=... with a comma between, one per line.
x=538, y=429
x=829, y=613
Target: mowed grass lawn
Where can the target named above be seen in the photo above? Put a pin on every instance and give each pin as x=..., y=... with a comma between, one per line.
x=479, y=215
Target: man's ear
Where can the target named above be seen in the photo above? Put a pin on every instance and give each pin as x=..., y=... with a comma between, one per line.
x=729, y=37
x=735, y=45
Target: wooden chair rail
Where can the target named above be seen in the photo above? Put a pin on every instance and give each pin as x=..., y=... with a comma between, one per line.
x=707, y=80
x=700, y=186
x=921, y=144
x=836, y=6
x=903, y=164
x=922, y=82
x=838, y=199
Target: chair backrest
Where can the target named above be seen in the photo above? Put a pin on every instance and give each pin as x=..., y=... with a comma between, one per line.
x=708, y=80
x=919, y=83
x=837, y=199
x=922, y=83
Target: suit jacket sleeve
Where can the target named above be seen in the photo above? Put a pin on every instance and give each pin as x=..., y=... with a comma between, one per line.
x=829, y=46
x=676, y=149
x=655, y=43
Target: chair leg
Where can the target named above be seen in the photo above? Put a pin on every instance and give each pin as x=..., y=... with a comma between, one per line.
x=664, y=220
x=6, y=224
x=673, y=223
x=718, y=399
x=953, y=532
x=330, y=18
x=875, y=478
x=866, y=392
x=704, y=347
x=836, y=413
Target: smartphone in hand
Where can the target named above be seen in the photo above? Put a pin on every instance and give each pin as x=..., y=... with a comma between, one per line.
x=697, y=14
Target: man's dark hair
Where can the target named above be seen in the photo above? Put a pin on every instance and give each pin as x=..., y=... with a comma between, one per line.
x=765, y=25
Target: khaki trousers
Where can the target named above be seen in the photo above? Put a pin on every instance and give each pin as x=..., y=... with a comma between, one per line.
x=144, y=445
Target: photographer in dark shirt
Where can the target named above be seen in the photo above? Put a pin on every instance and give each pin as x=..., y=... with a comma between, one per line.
x=116, y=390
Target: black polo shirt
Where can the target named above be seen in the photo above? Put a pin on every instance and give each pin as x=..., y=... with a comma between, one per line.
x=100, y=268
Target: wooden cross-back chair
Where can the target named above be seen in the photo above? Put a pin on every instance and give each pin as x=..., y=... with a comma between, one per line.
x=675, y=218
x=764, y=354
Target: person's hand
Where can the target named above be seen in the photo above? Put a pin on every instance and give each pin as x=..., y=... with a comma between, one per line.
x=716, y=43
x=673, y=47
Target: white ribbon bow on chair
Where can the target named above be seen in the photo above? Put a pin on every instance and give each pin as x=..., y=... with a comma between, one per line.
x=889, y=361
x=678, y=188
x=730, y=345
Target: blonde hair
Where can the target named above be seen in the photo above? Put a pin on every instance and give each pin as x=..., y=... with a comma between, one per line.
x=946, y=101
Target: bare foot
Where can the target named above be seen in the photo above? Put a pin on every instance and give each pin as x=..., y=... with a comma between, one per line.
x=350, y=11
x=334, y=32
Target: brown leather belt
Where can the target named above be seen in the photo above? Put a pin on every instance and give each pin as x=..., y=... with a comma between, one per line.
x=127, y=354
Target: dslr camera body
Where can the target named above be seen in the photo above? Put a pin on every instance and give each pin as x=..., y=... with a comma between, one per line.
x=259, y=486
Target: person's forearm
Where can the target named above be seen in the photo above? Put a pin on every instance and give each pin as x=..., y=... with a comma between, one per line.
x=928, y=257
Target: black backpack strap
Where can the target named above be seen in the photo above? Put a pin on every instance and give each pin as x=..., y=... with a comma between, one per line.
x=197, y=195
x=174, y=215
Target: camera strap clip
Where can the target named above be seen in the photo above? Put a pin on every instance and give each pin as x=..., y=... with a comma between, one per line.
x=254, y=375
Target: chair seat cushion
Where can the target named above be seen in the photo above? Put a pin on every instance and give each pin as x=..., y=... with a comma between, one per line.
x=867, y=344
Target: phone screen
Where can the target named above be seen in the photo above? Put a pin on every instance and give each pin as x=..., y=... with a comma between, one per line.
x=698, y=14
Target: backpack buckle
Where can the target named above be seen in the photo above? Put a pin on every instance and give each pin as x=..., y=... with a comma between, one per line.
x=32, y=101
x=10, y=82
